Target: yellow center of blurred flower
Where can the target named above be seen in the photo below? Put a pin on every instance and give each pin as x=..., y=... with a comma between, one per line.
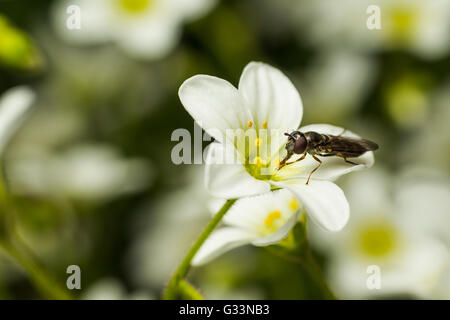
x=377, y=240
x=402, y=24
x=407, y=103
x=135, y=6
x=271, y=217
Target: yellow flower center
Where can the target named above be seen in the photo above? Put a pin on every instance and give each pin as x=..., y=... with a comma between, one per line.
x=377, y=240
x=402, y=24
x=271, y=217
x=135, y=6
x=407, y=102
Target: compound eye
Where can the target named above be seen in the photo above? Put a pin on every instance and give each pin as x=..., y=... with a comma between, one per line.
x=300, y=145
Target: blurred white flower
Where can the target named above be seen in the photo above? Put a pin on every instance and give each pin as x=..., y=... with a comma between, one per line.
x=112, y=289
x=428, y=145
x=142, y=28
x=385, y=233
x=162, y=235
x=85, y=172
x=13, y=105
x=336, y=83
x=259, y=220
x=415, y=25
x=267, y=103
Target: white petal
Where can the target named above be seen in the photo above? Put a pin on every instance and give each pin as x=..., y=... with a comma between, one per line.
x=323, y=201
x=215, y=105
x=192, y=9
x=221, y=241
x=149, y=39
x=229, y=180
x=278, y=235
x=332, y=167
x=250, y=212
x=95, y=19
x=13, y=105
x=270, y=96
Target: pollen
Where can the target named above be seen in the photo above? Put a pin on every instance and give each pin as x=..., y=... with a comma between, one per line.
x=271, y=217
x=293, y=204
x=250, y=123
x=264, y=124
x=258, y=162
x=257, y=142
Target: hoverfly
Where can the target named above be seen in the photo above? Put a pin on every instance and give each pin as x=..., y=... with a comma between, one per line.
x=324, y=145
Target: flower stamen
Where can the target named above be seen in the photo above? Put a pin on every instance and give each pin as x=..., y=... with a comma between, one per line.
x=271, y=217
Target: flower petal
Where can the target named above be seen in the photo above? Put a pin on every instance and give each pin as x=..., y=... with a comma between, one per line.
x=332, y=167
x=229, y=180
x=221, y=241
x=250, y=212
x=280, y=234
x=323, y=201
x=270, y=96
x=215, y=105
x=13, y=105
x=150, y=39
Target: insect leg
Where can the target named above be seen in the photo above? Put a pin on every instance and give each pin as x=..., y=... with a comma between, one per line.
x=299, y=159
x=345, y=159
x=326, y=154
x=320, y=163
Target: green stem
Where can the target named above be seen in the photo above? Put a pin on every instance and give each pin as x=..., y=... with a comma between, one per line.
x=38, y=276
x=17, y=249
x=188, y=292
x=171, y=290
x=309, y=264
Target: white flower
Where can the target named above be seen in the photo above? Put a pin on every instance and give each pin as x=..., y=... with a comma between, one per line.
x=259, y=220
x=414, y=25
x=85, y=172
x=162, y=232
x=267, y=103
x=113, y=289
x=142, y=28
x=13, y=105
x=385, y=233
x=336, y=84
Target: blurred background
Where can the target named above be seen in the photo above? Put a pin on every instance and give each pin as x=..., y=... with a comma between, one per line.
x=89, y=169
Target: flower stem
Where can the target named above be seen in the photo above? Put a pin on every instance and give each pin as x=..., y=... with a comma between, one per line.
x=17, y=249
x=43, y=282
x=182, y=270
x=187, y=291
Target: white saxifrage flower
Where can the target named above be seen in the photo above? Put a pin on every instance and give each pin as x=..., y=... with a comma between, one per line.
x=142, y=28
x=267, y=105
x=420, y=27
x=385, y=231
x=13, y=105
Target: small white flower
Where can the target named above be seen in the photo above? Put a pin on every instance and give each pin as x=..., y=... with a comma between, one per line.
x=113, y=289
x=85, y=172
x=142, y=28
x=259, y=220
x=336, y=84
x=268, y=103
x=387, y=234
x=13, y=105
x=413, y=25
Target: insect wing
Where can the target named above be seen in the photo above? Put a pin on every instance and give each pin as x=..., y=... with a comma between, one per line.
x=349, y=147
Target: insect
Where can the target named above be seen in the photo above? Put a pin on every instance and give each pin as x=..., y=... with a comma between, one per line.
x=324, y=145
